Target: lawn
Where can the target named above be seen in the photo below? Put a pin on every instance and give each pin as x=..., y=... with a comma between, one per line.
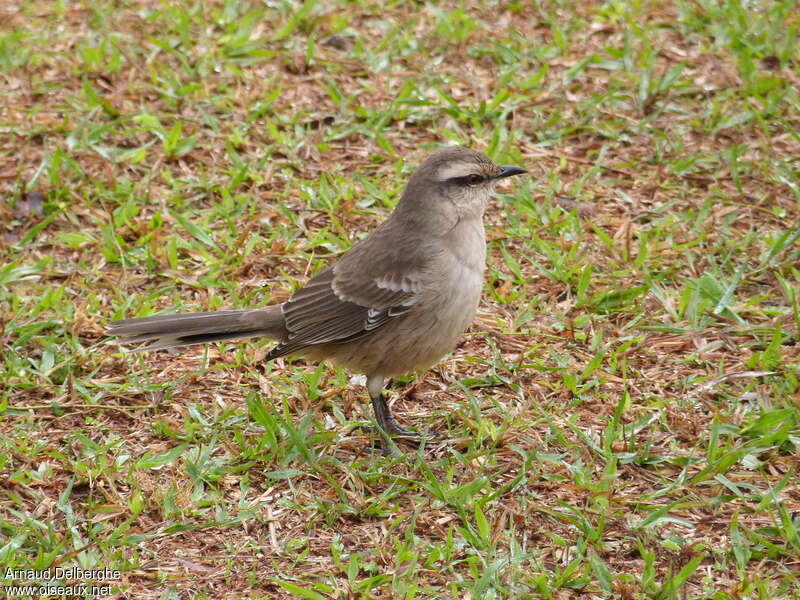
x=622, y=420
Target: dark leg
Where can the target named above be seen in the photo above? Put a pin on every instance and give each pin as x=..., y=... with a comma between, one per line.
x=387, y=424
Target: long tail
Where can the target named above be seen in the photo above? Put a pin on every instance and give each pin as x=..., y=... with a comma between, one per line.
x=169, y=331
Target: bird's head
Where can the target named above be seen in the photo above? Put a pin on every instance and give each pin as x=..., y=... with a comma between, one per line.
x=456, y=176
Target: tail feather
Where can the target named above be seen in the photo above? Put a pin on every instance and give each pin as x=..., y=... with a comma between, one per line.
x=170, y=331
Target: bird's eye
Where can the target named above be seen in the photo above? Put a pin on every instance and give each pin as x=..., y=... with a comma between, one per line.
x=474, y=179
x=467, y=180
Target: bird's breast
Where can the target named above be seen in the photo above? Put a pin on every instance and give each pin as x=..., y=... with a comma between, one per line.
x=421, y=336
x=466, y=243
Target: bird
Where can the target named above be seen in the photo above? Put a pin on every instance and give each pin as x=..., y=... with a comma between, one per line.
x=395, y=303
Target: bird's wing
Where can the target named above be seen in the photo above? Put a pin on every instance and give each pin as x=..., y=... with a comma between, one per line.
x=371, y=284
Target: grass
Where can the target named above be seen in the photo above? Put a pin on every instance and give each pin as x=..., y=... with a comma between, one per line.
x=622, y=420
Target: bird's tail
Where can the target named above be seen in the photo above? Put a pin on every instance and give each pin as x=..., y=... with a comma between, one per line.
x=169, y=331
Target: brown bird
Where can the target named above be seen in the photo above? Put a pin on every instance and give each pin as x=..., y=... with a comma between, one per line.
x=395, y=303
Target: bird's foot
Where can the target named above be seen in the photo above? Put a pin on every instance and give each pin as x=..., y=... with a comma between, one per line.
x=393, y=428
x=388, y=427
x=388, y=447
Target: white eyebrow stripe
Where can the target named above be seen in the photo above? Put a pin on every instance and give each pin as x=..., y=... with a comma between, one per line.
x=458, y=169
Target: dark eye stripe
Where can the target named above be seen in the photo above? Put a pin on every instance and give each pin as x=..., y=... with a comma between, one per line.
x=473, y=179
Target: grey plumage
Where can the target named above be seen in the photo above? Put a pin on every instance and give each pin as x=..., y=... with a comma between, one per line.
x=394, y=303
x=171, y=331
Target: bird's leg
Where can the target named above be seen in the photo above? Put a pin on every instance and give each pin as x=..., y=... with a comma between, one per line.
x=387, y=424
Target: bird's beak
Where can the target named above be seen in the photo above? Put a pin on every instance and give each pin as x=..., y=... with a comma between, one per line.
x=509, y=170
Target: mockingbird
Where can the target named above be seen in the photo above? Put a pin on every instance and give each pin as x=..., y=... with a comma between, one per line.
x=396, y=302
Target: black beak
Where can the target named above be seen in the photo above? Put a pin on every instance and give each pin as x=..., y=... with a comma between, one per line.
x=509, y=170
